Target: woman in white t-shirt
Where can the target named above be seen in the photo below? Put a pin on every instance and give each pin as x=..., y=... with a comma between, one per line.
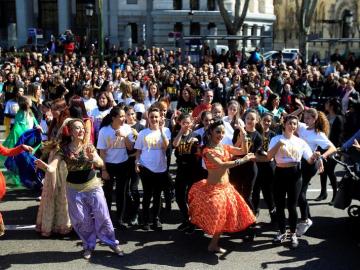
x=87, y=97
x=113, y=142
x=105, y=102
x=315, y=132
x=151, y=163
x=288, y=149
x=153, y=95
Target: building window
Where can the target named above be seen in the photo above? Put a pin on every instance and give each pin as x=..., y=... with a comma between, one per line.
x=177, y=4
x=211, y=5
x=134, y=32
x=194, y=4
x=48, y=16
x=178, y=27
x=131, y=2
x=195, y=29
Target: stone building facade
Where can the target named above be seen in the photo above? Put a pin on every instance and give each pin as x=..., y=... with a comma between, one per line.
x=135, y=22
x=329, y=26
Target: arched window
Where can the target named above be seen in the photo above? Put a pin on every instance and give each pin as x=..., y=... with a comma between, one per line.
x=211, y=5
x=194, y=4
x=177, y=4
x=178, y=27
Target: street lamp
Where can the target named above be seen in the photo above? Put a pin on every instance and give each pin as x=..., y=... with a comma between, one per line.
x=89, y=12
x=190, y=15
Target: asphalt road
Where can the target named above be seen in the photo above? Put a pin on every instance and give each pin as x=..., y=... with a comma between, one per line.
x=331, y=243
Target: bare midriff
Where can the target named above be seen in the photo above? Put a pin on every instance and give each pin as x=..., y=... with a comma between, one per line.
x=218, y=176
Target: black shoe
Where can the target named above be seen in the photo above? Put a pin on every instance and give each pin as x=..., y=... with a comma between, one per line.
x=156, y=226
x=190, y=229
x=146, y=227
x=121, y=226
x=321, y=197
x=332, y=201
x=183, y=226
x=273, y=216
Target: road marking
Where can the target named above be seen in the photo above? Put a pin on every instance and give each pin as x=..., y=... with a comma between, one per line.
x=19, y=227
x=317, y=190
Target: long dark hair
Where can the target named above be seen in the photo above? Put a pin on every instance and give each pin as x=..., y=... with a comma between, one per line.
x=336, y=105
x=207, y=133
x=269, y=103
x=115, y=111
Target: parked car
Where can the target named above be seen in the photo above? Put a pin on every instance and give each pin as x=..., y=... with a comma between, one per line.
x=288, y=57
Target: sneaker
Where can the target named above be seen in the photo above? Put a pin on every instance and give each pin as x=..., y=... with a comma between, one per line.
x=279, y=238
x=87, y=254
x=2, y=229
x=146, y=227
x=294, y=241
x=117, y=250
x=156, y=226
x=303, y=226
x=190, y=229
x=183, y=226
x=134, y=221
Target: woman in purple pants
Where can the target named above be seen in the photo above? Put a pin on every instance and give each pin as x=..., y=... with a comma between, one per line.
x=88, y=210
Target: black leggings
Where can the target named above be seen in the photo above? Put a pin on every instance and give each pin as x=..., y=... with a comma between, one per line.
x=287, y=182
x=133, y=191
x=265, y=183
x=153, y=183
x=119, y=173
x=329, y=171
x=243, y=178
x=307, y=172
x=183, y=182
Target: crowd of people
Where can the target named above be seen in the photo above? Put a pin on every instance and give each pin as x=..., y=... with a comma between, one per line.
x=237, y=128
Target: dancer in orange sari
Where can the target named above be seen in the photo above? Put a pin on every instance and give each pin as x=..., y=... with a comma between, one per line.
x=214, y=204
x=9, y=152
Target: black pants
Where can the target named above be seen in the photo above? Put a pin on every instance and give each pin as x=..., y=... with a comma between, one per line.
x=119, y=174
x=243, y=178
x=265, y=183
x=287, y=183
x=153, y=184
x=307, y=172
x=329, y=171
x=183, y=182
x=133, y=200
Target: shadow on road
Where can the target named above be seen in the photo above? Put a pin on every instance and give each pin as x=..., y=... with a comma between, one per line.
x=339, y=249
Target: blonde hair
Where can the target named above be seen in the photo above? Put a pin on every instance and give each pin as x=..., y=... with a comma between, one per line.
x=321, y=122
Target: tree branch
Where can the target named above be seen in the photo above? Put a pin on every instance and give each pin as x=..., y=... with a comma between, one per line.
x=225, y=14
x=239, y=21
x=237, y=8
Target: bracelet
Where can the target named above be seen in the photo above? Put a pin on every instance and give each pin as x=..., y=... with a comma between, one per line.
x=238, y=161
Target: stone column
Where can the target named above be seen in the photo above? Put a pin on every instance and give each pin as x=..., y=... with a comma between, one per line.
x=203, y=5
x=64, y=15
x=127, y=37
x=22, y=22
x=186, y=4
x=114, y=24
x=213, y=32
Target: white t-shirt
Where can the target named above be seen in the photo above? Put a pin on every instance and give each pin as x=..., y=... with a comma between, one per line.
x=90, y=104
x=313, y=138
x=153, y=157
x=114, y=146
x=11, y=107
x=97, y=117
x=293, y=150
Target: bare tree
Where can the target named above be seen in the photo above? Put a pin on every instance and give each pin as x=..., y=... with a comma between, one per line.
x=233, y=21
x=304, y=13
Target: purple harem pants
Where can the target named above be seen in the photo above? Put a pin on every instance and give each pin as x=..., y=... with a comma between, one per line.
x=89, y=216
